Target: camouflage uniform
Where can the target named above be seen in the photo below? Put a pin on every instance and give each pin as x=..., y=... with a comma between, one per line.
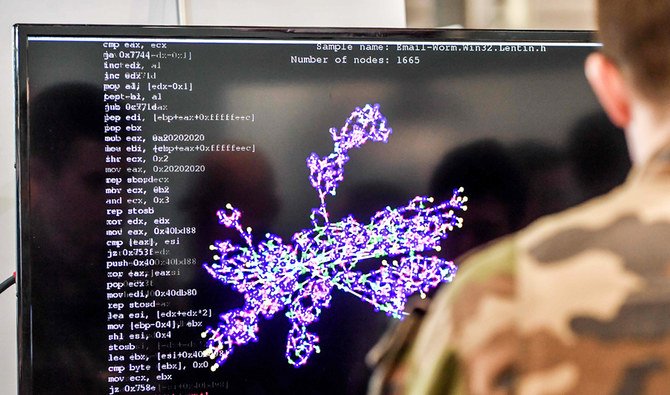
x=577, y=303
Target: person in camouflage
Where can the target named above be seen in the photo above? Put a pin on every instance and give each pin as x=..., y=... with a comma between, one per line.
x=578, y=302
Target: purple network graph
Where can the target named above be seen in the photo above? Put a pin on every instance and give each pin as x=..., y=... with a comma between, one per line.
x=300, y=277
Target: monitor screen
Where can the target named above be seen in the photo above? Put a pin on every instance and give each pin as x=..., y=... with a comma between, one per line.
x=247, y=211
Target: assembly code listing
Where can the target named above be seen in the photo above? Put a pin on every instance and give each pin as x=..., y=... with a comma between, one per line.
x=170, y=149
x=220, y=117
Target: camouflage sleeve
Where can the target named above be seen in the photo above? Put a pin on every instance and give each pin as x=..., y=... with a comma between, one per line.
x=467, y=341
x=389, y=354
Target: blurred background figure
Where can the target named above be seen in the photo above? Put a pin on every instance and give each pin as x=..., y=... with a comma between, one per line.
x=599, y=155
x=495, y=187
x=550, y=185
x=247, y=181
x=67, y=213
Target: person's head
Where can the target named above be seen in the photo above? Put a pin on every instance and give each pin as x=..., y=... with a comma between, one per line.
x=631, y=74
x=67, y=170
x=636, y=36
x=61, y=116
x=244, y=180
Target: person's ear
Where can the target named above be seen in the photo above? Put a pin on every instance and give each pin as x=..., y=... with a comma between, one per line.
x=610, y=87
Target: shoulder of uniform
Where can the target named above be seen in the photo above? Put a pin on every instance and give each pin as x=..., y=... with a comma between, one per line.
x=481, y=268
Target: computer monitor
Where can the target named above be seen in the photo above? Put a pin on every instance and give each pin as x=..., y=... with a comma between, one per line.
x=210, y=210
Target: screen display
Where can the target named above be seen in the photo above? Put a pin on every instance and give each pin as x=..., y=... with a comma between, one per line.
x=247, y=211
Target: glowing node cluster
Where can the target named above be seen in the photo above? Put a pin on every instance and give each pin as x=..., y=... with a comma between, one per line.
x=300, y=277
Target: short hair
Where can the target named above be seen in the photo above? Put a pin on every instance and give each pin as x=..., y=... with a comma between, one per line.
x=636, y=35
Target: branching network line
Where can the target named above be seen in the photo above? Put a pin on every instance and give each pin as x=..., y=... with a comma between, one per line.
x=300, y=277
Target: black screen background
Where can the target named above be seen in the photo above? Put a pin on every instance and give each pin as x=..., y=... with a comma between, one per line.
x=523, y=101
